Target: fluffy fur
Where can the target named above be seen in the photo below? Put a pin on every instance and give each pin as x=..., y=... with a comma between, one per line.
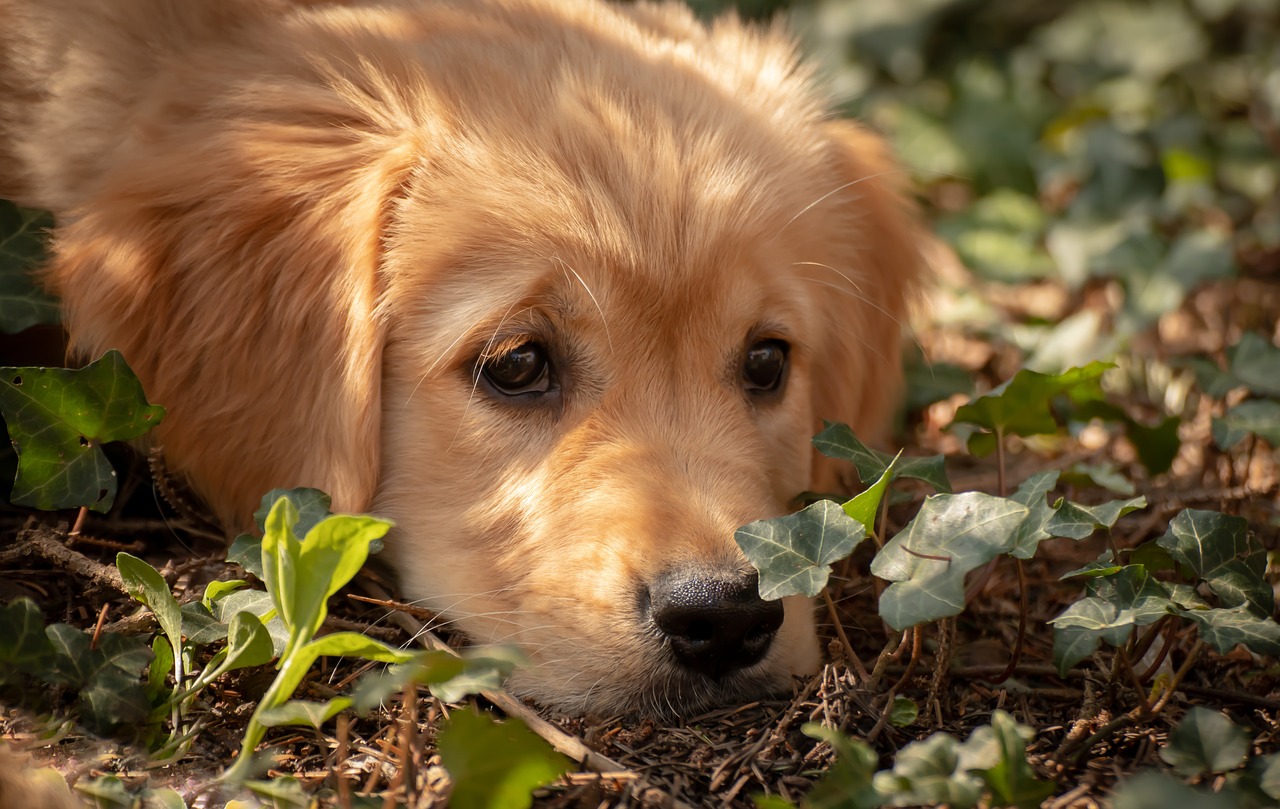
x=305, y=224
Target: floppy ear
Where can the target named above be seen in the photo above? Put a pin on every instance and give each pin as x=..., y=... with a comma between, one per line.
x=232, y=254
x=879, y=252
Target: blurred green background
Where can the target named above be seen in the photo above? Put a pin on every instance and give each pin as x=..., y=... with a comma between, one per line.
x=1104, y=141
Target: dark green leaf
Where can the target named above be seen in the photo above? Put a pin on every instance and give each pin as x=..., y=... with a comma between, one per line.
x=1078, y=521
x=1216, y=547
x=838, y=441
x=1021, y=406
x=108, y=678
x=1151, y=790
x=1260, y=417
x=495, y=765
x=1223, y=629
x=25, y=649
x=1256, y=363
x=1033, y=493
x=1205, y=742
x=22, y=250
x=58, y=418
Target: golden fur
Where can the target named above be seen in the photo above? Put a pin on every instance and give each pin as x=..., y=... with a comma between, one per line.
x=303, y=223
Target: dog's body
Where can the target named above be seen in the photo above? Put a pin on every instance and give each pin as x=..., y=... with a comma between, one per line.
x=562, y=288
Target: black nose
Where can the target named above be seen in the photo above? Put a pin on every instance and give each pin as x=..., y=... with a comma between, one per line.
x=714, y=625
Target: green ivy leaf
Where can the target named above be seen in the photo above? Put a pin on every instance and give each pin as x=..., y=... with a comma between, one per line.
x=1103, y=474
x=24, y=646
x=1021, y=406
x=1224, y=629
x=1151, y=790
x=928, y=560
x=312, y=505
x=1216, y=547
x=22, y=250
x=1033, y=493
x=1260, y=417
x=109, y=678
x=849, y=783
x=838, y=441
x=929, y=773
x=1255, y=362
x=1076, y=521
x=1011, y=780
x=1205, y=742
x=1115, y=604
x=794, y=553
x=495, y=765
x=57, y=420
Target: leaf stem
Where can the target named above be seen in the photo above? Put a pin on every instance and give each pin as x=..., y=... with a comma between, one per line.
x=1000, y=485
x=863, y=676
x=1016, y=655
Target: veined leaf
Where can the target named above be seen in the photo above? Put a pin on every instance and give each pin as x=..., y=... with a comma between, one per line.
x=1224, y=629
x=1205, y=742
x=927, y=562
x=1021, y=406
x=794, y=553
x=1216, y=547
x=58, y=419
x=22, y=250
x=838, y=441
x=1077, y=521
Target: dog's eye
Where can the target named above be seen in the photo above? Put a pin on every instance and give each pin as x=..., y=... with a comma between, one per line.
x=764, y=366
x=523, y=369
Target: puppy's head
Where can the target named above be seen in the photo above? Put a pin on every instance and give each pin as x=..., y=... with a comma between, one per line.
x=568, y=313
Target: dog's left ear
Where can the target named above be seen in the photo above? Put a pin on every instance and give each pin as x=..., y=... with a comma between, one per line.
x=879, y=254
x=235, y=260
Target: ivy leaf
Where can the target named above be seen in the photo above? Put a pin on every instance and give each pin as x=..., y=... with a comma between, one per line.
x=22, y=250
x=838, y=441
x=794, y=553
x=1216, y=548
x=1260, y=417
x=1115, y=604
x=57, y=420
x=903, y=712
x=928, y=560
x=1021, y=406
x=1103, y=474
x=1205, y=742
x=312, y=505
x=1151, y=790
x=927, y=773
x=495, y=765
x=849, y=783
x=1033, y=493
x=108, y=678
x=24, y=646
x=1077, y=521
x=1223, y=629
x=1011, y=779
x=1256, y=363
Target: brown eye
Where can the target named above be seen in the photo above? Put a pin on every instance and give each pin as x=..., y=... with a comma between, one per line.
x=765, y=366
x=523, y=369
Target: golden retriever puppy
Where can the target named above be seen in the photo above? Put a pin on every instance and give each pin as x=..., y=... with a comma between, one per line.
x=561, y=287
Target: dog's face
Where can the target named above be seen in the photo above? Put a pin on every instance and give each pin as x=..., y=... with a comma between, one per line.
x=614, y=359
x=568, y=316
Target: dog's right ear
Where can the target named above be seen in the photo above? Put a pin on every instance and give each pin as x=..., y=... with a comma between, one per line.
x=232, y=253
x=881, y=269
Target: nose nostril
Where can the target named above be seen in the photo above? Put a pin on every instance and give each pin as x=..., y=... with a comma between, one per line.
x=714, y=626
